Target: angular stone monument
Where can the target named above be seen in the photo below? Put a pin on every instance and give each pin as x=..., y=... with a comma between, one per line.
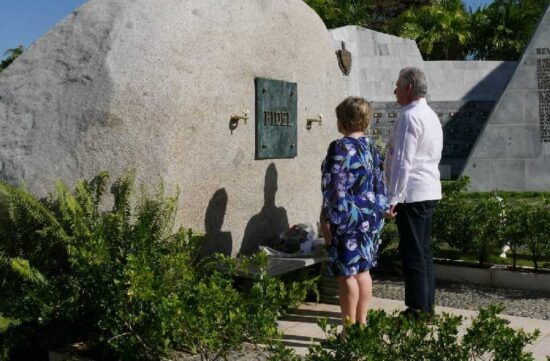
x=162, y=87
x=513, y=152
x=495, y=114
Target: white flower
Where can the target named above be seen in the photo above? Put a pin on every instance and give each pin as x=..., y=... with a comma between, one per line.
x=370, y=196
x=351, y=149
x=365, y=226
x=353, y=271
x=351, y=244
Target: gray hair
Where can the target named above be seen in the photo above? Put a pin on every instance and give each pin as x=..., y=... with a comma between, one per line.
x=416, y=78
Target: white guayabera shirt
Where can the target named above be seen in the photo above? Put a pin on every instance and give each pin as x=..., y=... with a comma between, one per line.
x=413, y=154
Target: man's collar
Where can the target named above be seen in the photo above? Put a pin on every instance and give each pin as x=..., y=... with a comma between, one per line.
x=413, y=103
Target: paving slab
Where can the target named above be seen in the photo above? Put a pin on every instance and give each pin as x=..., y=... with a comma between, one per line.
x=300, y=326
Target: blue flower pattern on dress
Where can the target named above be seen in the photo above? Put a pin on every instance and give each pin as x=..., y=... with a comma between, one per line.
x=354, y=200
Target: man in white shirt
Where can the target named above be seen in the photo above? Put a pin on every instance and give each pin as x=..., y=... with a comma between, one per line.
x=413, y=185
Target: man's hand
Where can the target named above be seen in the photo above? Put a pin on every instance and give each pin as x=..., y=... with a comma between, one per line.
x=325, y=230
x=391, y=213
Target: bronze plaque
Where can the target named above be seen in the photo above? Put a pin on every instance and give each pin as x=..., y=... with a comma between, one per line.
x=276, y=119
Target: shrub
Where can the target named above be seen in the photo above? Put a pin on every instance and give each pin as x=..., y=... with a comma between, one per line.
x=124, y=280
x=455, y=187
x=389, y=239
x=488, y=226
x=397, y=338
x=539, y=232
x=482, y=222
x=452, y=220
x=516, y=229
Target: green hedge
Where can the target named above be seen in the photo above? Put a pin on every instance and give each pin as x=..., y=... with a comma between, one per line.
x=482, y=223
x=387, y=337
x=479, y=224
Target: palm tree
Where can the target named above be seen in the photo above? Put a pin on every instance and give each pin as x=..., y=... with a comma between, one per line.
x=503, y=28
x=384, y=12
x=441, y=31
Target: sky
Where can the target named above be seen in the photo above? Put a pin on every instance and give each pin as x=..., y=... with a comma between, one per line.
x=22, y=22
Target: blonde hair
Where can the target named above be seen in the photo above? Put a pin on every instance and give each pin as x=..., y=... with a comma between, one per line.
x=354, y=114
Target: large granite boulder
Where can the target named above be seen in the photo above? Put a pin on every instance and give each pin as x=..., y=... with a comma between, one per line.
x=151, y=86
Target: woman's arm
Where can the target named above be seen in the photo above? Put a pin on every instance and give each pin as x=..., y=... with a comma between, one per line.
x=379, y=187
x=336, y=199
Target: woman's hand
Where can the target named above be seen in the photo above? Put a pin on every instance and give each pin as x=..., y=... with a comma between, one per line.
x=325, y=230
x=391, y=213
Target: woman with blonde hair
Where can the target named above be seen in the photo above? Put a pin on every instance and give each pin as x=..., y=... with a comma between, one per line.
x=354, y=203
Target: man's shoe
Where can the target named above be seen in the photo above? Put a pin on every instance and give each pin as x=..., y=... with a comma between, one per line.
x=415, y=315
x=411, y=313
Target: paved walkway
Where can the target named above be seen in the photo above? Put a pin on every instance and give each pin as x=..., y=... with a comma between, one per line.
x=300, y=327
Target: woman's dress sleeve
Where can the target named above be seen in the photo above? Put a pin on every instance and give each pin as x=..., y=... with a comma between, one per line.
x=337, y=202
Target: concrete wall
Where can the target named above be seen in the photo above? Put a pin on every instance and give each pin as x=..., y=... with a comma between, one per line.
x=377, y=59
x=462, y=93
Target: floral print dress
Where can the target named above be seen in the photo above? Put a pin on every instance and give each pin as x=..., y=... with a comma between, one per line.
x=354, y=200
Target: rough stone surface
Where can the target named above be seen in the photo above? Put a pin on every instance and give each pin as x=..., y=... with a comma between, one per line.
x=151, y=86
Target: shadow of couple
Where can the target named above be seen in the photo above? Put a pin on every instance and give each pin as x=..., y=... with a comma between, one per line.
x=261, y=230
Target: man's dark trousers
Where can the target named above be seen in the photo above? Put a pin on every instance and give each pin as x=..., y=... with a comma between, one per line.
x=414, y=223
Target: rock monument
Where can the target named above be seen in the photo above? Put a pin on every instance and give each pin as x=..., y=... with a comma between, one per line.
x=160, y=87
x=233, y=102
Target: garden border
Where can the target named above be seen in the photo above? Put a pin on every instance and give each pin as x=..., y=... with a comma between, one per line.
x=494, y=276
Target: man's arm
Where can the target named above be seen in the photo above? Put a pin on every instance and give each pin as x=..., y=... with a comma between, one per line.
x=408, y=131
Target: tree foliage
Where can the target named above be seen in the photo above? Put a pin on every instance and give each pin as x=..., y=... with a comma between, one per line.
x=10, y=55
x=443, y=29
x=386, y=11
x=337, y=13
x=503, y=29
x=372, y=14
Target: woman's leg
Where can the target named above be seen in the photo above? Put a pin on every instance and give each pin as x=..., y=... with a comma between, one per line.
x=364, y=282
x=348, y=290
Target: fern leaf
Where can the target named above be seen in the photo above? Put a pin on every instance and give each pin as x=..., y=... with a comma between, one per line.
x=23, y=207
x=7, y=322
x=22, y=267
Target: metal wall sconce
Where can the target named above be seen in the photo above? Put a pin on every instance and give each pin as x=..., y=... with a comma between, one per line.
x=234, y=120
x=309, y=121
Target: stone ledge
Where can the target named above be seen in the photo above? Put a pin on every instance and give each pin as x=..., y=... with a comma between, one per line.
x=495, y=276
